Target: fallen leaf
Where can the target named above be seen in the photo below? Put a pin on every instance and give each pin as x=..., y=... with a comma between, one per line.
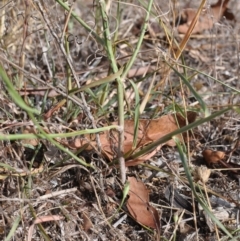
x=212, y=157
x=148, y=131
x=207, y=18
x=215, y=159
x=139, y=207
x=202, y=174
x=87, y=223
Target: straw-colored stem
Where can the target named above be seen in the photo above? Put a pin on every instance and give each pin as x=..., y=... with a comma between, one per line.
x=210, y=208
x=189, y=32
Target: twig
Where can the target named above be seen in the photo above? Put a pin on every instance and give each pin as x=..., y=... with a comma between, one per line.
x=58, y=193
x=119, y=221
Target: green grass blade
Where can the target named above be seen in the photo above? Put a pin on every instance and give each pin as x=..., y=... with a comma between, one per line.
x=196, y=95
x=104, y=80
x=13, y=229
x=19, y=101
x=87, y=27
x=136, y=113
x=7, y=167
x=169, y=136
x=14, y=94
x=59, y=135
x=190, y=180
x=212, y=78
x=140, y=40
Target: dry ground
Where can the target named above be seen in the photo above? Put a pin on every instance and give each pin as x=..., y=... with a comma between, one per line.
x=70, y=201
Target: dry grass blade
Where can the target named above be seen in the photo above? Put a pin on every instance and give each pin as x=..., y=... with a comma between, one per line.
x=42, y=219
x=189, y=31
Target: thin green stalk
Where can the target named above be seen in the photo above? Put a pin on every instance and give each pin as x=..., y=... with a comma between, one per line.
x=130, y=63
x=111, y=57
x=120, y=89
x=169, y=136
x=31, y=111
x=136, y=114
x=13, y=228
x=88, y=28
x=210, y=77
x=68, y=70
x=190, y=87
x=118, y=19
x=12, y=137
x=190, y=180
x=140, y=40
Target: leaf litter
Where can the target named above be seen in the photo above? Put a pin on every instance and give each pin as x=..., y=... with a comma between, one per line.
x=87, y=207
x=148, y=131
x=139, y=207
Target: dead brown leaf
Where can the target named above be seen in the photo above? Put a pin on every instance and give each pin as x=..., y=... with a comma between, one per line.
x=216, y=159
x=212, y=157
x=139, y=207
x=87, y=223
x=148, y=131
x=207, y=18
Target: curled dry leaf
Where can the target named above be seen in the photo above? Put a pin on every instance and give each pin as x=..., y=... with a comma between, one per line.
x=139, y=207
x=207, y=18
x=202, y=174
x=216, y=159
x=212, y=157
x=87, y=223
x=148, y=131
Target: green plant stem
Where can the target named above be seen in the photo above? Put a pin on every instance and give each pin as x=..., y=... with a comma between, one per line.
x=169, y=136
x=190, y=180
x=12, y=137
x=110, y=53
x=87, y=27
x=140, y=40
x=13, y=228
x=113, y=63
x=31, y=111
